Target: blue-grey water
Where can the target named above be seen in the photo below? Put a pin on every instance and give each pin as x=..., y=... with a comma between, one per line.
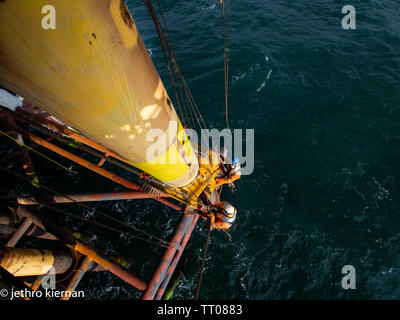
x=324, y=104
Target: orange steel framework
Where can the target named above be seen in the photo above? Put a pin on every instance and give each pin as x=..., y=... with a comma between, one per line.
x=152, y=289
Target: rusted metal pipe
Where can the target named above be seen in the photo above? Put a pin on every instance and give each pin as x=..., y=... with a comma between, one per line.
x=77, y=276
x=113, y=267
x=70, y=133
x=169, y=204
x=162, y=270
x=9, y=121
x=37, y=232
x=6, y=227
x=175, y=260
x=25, y=160
x=81, y=161
x=19, y=233
x=90, y=197
x=38, y=281
x=84, y=249
x=45, y=224
x=91, y=166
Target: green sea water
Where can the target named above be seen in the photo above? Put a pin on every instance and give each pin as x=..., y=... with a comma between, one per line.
x=324, y=104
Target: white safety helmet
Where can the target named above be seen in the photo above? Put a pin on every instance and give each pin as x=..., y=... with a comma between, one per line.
x=235, y=166
x=235, y=162
x=228, y=213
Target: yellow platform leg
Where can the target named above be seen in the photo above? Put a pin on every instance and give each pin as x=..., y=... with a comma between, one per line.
x=94, y=73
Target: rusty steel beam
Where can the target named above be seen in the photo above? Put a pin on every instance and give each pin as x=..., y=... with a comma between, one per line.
x=84, y=249
x=169, y=204
x=81, y=161
x=175, y=260
x=6, y=227
x=34, y=232
x=70, y=133
x=105, y=173
x=38, y=281
x=25, y=160
x=76, y=278
x=9, y=119
x=113, y=267
x=90, y=197
x=45, y=224
x=161, y=272
x=19, y=233
x=37, y=232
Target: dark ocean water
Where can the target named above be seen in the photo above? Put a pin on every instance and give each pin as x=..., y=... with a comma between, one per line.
x=324, y=104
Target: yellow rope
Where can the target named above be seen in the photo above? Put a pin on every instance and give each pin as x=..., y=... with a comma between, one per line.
x=24, y=145
x=41, y=186
x=226, y=58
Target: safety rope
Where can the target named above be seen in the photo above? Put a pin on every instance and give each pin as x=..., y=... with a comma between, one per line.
x=66, y=213
x=173, y=59
x=189, y=104
x=225, y=28
x=81, y=146
x=42, y=155
x=41, y=186
x=200, y=276
x=104, y=226
x=165, y=50
x=228, y=234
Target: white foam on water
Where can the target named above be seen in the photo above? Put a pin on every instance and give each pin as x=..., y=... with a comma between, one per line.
x=265, y=81
x=262, y=86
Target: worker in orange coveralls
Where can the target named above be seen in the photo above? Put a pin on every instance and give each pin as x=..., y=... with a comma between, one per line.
x=220, y=216
x=230, y=173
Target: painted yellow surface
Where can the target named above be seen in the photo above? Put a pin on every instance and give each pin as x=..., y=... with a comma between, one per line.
x=26, y=262
x=203, y=183
x=94, y=73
